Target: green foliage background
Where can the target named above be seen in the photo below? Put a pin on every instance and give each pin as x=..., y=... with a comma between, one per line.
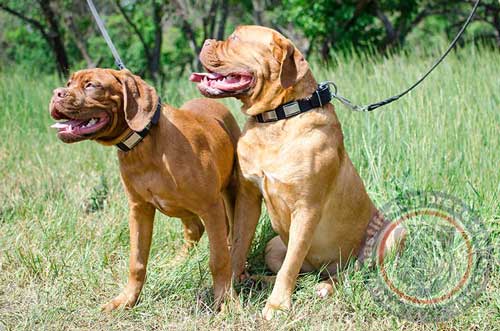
x=321, y=28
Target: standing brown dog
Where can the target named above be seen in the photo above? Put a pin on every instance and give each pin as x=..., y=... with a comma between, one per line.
x=177, y=161
x=316, y=200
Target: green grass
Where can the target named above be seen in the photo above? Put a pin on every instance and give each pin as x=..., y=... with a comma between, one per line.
x=64, y=250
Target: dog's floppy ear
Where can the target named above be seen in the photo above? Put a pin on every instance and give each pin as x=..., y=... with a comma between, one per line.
x=139, y=100
x=293, y=65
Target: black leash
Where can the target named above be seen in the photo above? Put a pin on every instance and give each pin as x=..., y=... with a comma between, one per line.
x=384, y=102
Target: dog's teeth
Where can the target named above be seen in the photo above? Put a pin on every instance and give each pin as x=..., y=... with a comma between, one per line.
x=91, y=122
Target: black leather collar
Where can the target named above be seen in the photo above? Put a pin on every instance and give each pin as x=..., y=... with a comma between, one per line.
x=320, y=97
x=135, y=137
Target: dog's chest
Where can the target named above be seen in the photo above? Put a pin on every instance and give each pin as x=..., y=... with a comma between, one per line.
x=157, y=188
x=166, y=202
x=285, y=156
x=168, y=206
x=265, y=165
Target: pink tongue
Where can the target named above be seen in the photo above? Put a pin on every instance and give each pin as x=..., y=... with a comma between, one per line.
x=64, y=125
x=196, y=77
x=233, y=84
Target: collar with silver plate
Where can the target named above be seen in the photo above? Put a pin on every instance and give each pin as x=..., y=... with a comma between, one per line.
x=320, y=97
x=135, y=137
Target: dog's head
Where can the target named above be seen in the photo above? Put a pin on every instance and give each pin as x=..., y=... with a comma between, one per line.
x=100, y=104
x=256, y=65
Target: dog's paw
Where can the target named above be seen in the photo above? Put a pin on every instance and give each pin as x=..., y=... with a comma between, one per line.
x=324, y=289
x=241, y=276
x=272, y=309
x=231, y=304
x=122, y=301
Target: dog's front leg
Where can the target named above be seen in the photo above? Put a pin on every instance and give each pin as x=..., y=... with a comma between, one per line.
x=302, y=227
x=141, y=217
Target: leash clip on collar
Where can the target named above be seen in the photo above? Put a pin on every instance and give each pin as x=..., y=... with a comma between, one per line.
x=344, y=100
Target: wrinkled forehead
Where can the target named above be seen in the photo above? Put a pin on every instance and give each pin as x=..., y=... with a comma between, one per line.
x=256, y=34
x=103, y=76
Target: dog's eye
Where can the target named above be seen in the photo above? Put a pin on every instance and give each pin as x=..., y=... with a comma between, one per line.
x=68, y=83
x=90, y=85
x=233, y=37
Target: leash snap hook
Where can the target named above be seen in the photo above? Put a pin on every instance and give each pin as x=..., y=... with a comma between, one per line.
x=342, y=99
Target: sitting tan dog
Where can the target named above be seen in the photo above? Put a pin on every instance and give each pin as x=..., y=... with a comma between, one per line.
x=293, y=154
x=177, y=161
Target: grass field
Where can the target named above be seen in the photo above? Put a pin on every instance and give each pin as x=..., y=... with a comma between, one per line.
x=63, y=214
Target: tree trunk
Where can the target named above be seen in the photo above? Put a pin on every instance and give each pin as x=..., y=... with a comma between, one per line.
x=156, y=53
x=52, y=37
x=188, y=30
x=211, y=20
x=325, y=50
x=79, y=40
x=258, y=12
x=222, y=20
x=190, y=33
x=139, y=35
x=390, y=33
x=496, y=23
x=55, y=38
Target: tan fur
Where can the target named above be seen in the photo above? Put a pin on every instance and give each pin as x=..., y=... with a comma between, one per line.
x=183, y=168
x=315, y=198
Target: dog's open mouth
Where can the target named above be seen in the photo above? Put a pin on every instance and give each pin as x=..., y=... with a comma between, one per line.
x=215, y=84
x=80, y=128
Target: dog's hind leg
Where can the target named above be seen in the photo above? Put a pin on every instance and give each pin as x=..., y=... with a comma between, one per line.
x=246, y=216
x=229, y=197
x=275, y=255
x=193, y=230
x=219, y=261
